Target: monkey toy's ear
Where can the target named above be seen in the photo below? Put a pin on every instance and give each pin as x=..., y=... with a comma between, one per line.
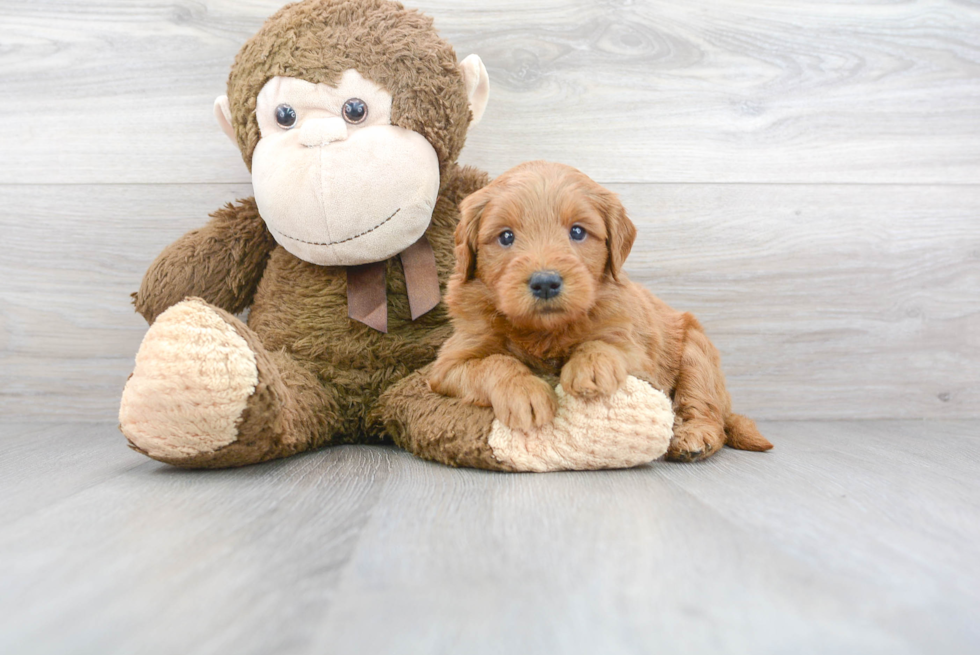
x=477, y=86
x=222, y=111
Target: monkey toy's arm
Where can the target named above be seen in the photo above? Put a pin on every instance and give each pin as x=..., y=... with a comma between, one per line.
x=221, y=262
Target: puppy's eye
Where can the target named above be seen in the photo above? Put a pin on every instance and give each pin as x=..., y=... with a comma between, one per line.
x=506, y=238
x=577, y=233
x=355, y=111
x=285, y=116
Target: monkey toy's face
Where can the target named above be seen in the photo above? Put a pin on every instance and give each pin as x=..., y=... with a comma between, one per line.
x=335, y=181
x=339, y=177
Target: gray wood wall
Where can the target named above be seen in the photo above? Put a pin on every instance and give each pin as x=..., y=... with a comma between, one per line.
x=805, y=177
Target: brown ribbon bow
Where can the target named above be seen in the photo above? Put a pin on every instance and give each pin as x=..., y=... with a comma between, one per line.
x=367, y=300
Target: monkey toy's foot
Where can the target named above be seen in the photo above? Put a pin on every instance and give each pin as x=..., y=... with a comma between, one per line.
x=206, y=394
x=193, y=379
x=629, y=428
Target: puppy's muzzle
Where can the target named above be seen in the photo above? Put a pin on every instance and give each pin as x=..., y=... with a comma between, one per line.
x=545, y=284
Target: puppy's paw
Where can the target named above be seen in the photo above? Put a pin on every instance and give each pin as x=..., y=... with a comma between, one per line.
x=593, y=373
x=695, y=440
x=524, y=402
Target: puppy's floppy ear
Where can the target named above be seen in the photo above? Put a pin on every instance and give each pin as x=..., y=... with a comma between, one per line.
x=620, y=231
x=468, y=232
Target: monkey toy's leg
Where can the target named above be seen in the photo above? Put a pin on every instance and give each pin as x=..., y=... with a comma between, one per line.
x=630, y=428
x=439, y=428
x=205, y=393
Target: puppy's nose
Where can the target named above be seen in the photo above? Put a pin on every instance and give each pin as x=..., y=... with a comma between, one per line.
x=545, y=284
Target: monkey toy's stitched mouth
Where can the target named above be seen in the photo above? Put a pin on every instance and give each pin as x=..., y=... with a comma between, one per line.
x=334, y=243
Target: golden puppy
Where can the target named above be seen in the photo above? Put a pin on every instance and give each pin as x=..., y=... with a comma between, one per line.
x=539, y=289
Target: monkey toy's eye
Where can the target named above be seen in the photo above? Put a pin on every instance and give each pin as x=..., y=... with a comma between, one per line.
x=506, y=238
x=285, y=116
x=577, y=233
x=355, y=111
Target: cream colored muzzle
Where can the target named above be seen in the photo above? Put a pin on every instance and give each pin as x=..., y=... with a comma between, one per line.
x=336, y=200
x=322, y=131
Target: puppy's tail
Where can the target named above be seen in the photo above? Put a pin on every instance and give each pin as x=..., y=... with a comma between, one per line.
x=741, y=433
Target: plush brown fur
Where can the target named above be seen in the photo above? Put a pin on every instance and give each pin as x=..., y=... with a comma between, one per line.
x=434, y=427
x=221, y=262
x=597, y=330
x=394, y=47
x=321, y=375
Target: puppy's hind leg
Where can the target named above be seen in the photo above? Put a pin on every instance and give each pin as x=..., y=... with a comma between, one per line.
x=701, y=401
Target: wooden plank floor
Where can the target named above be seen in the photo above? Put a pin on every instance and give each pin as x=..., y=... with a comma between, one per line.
x=847, y=537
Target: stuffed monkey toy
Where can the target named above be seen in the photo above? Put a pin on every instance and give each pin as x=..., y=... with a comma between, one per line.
x=350, y=115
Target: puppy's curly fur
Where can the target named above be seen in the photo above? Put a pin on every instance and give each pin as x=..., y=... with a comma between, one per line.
x=592, y=326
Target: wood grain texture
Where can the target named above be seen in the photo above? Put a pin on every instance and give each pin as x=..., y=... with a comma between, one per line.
x=74, y=254
x=740, y=554
x=43, y=464
x=756, y=91
x=826, y=301
x=180, y=558
x=847, y=537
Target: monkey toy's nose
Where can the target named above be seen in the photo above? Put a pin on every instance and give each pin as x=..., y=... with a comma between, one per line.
x=545, y=284
x=321, y=131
